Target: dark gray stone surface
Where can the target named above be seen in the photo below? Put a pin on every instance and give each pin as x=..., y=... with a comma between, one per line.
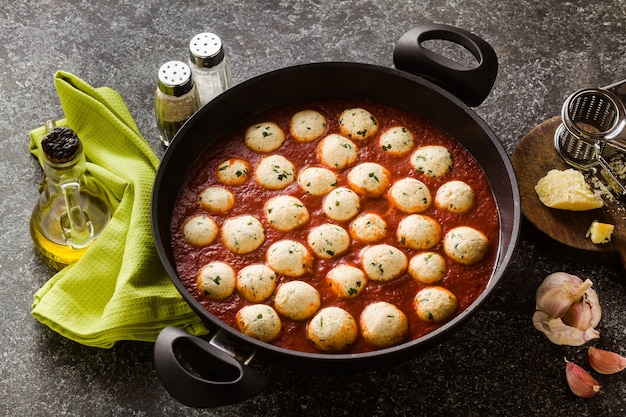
x=496, y=365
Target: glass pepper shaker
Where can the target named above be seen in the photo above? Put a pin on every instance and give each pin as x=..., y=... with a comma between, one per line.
x=175, y=100
x=210, y=66
x=71, y=211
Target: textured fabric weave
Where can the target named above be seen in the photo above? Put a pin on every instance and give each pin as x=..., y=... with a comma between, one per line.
x=118, y=290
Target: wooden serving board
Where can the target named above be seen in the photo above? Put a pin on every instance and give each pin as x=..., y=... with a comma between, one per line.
x=534, y=156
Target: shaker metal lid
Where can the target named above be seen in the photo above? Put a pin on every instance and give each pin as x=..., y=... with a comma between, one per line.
x=175, y=78
x=206, y=50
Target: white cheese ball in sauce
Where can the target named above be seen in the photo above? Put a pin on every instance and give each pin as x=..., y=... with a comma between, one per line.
x=435, y=304
x=383, y=262
x=368, y=228
x=216, y=281
x=216, y=199
x=275, y=172
x=341, y=204
x=455, y=196
x=317, y=181
x=233, y=171
x=346, y=281
x=433, y=160
x=337, y=152
x=243, y=234
x=297, y=300
x=289, y=258
x=200, y=230
x=358, y=124
x=286, y=213
x=466, y=245
x=259, y=321
x=256, y=282
x=369, y=179
x=332, y=329
x=328, y=240
x=410, y=195
x=383, y=324
x=264, y=137
x=427, y=267
x=396, y=141
x=307, y=125
x=418, y=232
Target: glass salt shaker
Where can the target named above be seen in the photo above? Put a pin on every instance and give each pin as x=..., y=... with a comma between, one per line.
x=176, y=98
x=210, y=67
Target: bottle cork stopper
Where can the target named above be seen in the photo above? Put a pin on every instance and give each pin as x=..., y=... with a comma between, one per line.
x=60, y=145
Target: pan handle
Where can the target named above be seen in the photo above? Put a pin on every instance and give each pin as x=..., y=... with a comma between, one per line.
x=198, y=374
x=472, y=85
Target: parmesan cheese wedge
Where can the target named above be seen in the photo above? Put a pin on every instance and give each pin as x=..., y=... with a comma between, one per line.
x=567, y=190
x=600, y=232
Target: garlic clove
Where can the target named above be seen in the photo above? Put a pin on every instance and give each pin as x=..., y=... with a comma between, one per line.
x=579, y=381
x=606, y=362
x=578, y=316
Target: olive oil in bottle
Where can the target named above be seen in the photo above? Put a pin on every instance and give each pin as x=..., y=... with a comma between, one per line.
x=71, y=211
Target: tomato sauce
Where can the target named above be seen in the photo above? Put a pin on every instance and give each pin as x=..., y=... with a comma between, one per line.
x=466, y=282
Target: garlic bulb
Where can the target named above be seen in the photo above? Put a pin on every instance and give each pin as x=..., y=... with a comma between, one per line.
x=606, y=362
x=580, y=382
x=567, y=309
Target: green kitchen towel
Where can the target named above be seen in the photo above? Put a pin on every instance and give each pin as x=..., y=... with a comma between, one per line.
x=118, y=290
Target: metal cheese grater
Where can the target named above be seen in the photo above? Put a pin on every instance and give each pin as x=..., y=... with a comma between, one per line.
x=593, y=133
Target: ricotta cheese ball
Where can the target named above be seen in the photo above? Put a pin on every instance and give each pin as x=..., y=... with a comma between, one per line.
x=369, y=179
x=233, y=171
x=427, y=267
x=383, y=324
x=216, y=199
x=435, y=304
x=264, y=137
x=346, y=281
x=410, y=195
x=418, y=232
x=256, y=282
x=289, y=258
x=259, y=321
x=307, y=125
x=358, y=124
x=216, y=281
x=332, y=329
x=368, y=228
x=200, y=230
x=275, y=172
x=317, y=181
x=397, y=141
x=243, y=234
x=383, y=262
x=455, y=196
x=466, y=245
x=285, y=213
x=337, y=152
x=328, y=241
x=297, y=300
x=341, y=204
x=433, y=160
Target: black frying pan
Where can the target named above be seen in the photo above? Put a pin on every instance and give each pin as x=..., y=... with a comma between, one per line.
x=205, y=373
